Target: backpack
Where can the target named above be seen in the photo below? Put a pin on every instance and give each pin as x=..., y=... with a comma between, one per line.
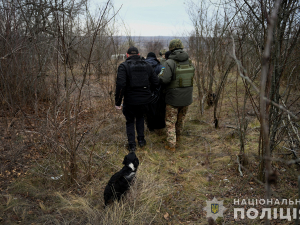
x=138, y=74
x=183, y=75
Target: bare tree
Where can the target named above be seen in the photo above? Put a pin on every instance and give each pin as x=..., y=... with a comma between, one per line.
x=263, y=53
x=209, y=47
x=47, y=60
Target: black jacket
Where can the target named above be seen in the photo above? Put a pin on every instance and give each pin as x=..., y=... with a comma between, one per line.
x=155, y=64
x=139, y=93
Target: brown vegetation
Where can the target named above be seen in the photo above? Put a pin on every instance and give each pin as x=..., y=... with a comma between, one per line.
x=61, y=138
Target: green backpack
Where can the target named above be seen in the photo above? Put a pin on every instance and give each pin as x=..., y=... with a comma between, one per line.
x=184, y=75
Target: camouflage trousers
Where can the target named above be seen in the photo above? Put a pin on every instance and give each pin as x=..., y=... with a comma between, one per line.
x=174, y=123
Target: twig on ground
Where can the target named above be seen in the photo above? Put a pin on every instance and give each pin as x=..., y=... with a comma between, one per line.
x=238, y=161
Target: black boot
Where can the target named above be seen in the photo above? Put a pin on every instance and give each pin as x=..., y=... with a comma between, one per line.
x=142, y=142
x=131, y=147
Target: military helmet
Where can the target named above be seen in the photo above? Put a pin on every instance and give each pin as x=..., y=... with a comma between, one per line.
x=174, y=44
x=162, y=52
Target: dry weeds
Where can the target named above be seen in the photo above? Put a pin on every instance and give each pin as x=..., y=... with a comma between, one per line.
x=170, y=188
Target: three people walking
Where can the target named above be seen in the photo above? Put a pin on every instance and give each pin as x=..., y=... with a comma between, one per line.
x=134, y=79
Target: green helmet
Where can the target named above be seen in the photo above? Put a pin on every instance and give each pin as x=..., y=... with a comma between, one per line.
x=162, y=52
x=174, y=44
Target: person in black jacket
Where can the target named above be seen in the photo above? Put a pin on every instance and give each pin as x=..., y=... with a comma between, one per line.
x=155, y=118
x=153, y=61
x=134, y=79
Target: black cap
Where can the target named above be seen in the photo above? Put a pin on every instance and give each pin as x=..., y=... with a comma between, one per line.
x=167, y=54
x=132, y=50
x=151, y=55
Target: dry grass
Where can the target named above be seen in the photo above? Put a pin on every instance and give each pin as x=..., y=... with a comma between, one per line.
x=171, y=188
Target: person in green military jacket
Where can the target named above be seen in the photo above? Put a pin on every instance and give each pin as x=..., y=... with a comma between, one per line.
x=178, y=77
x=162, y=58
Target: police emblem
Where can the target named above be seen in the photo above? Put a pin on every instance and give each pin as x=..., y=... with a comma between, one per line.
x=214, y=208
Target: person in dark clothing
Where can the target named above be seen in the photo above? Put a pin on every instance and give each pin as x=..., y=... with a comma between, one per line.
x=155, y=117
x=134, y=79
x=153, y=61
x=167, y=55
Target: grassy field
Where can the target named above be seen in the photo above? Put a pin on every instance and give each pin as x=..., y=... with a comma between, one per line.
x=170, y=188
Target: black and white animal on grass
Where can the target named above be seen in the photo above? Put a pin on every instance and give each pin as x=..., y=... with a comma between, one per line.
x=120, y=182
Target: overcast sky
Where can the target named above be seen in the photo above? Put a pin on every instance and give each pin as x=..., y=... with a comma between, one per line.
x=153, y=17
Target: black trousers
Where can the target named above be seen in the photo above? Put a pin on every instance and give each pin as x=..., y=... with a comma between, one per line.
x=134, y=115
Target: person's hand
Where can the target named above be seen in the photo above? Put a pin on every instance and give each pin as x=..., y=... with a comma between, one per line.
x=118, y=107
